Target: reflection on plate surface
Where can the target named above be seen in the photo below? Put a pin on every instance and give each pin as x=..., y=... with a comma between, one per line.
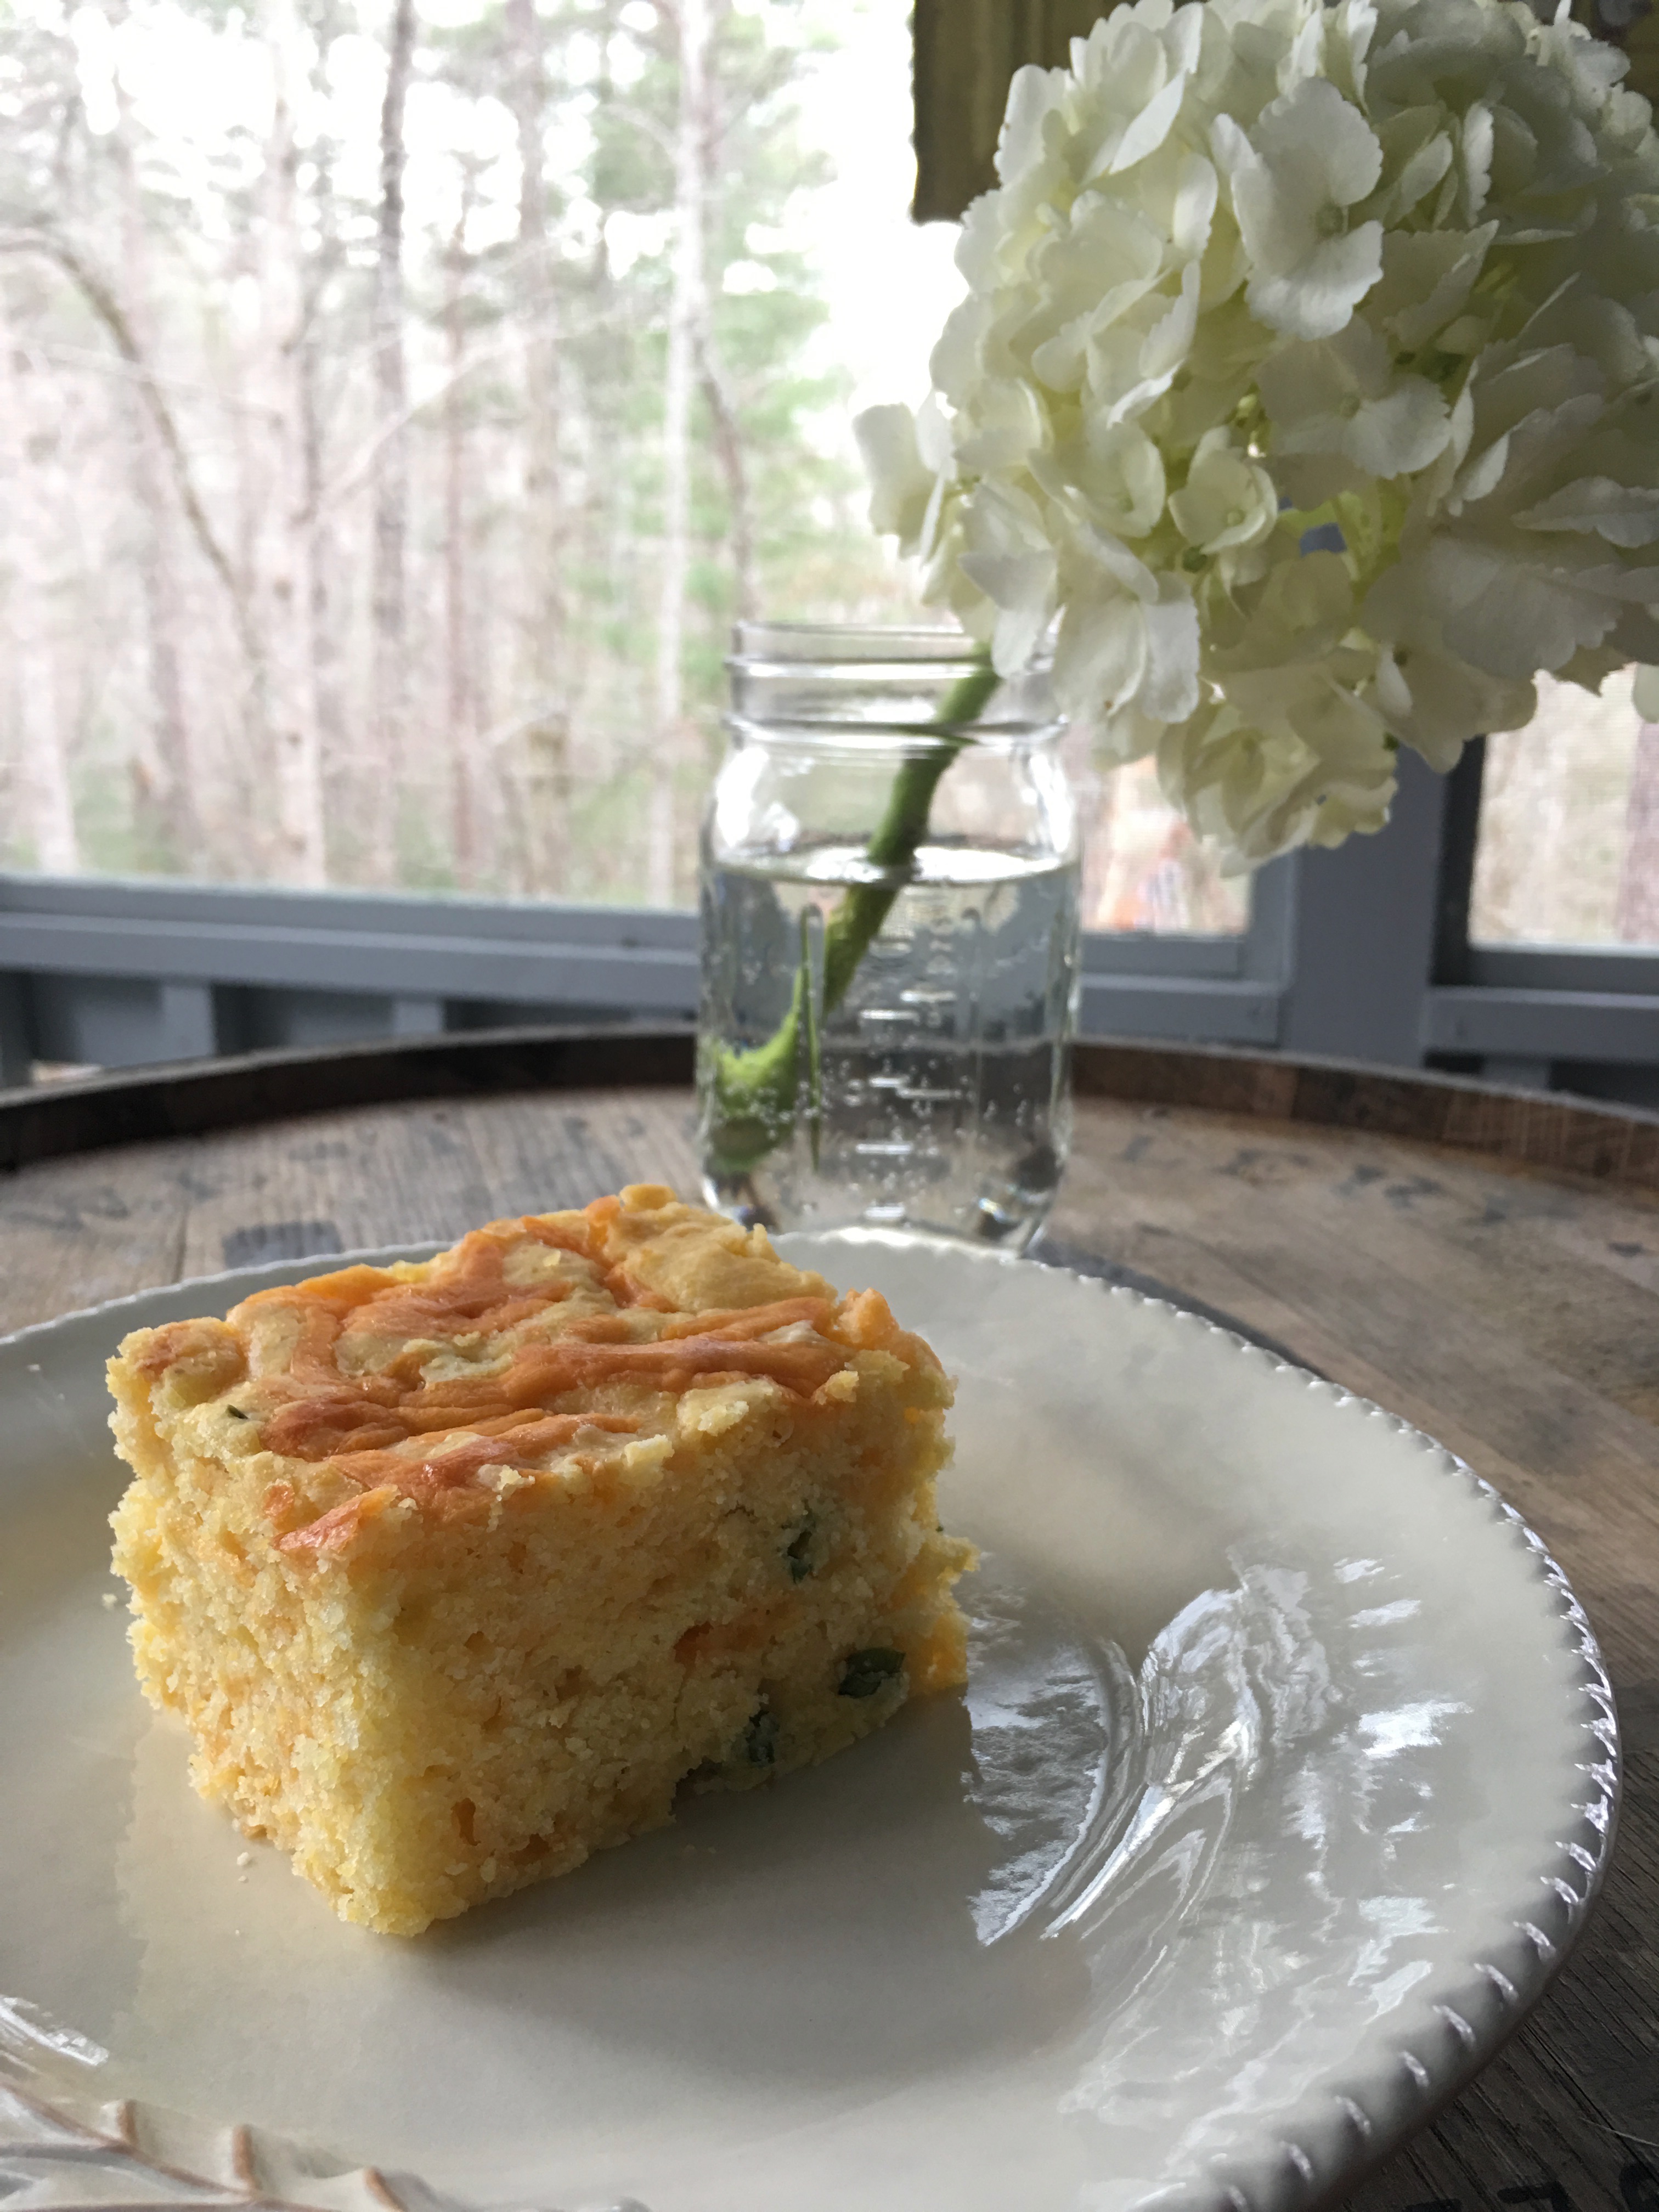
x=1284, y=1772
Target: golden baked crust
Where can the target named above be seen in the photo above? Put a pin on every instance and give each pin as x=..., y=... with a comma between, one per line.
x=457, y=1570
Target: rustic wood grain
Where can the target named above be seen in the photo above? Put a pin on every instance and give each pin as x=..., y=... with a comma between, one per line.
x=1533, y=1128
x=1510, y=1309
x=1613, y=1144
x=47, y=1121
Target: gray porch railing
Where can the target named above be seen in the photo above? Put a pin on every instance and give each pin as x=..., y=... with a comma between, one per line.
x=1361, y=954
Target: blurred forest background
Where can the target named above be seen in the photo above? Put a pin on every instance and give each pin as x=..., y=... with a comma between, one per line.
x=398, y=404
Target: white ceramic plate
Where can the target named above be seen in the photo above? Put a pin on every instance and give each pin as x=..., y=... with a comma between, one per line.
x=1286, y=1773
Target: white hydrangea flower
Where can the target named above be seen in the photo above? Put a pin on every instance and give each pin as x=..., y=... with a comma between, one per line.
x=1343, y=400
x=1295, y=182
x=1112, y=474
x=1008, y=555
x=1306, y=392
x=1128, y=637
x=892, y=458
x=1228, y=499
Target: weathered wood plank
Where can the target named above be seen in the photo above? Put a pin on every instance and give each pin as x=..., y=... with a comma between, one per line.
x=47, y=1122
x=1618, y=1146
x=86, y=1229
x=1534, y=1129
x=1290, y=1212
x=359, y=1183
x=540, y=1152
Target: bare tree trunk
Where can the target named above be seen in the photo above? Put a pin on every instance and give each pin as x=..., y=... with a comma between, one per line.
x=318, y=268
x=323, y=699
x=542, y=614
x=728, y=449
x=1513, y=802
x=50, y=803
x=162, y=769
x=1636, y=918
x=39, y=236
x=716, y=392
x=243, y=756
x=459, y=717
x=165, y=775
x=31, y=527
x=285, y=569
x=390, y=692
x=685, y=319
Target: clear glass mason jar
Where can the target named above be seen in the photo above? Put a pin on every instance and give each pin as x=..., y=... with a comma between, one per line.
x=889, y=893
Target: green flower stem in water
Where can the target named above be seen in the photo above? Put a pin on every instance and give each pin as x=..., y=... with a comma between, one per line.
x=755, y=1092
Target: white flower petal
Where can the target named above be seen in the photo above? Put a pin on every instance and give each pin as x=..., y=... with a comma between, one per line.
x=1313, y=133
x=1192, y=214
x=1400, y=432
x=1137, y=366
x=1482, y=475
x=1124, y=478
x=1183, y=38
x=1018, y=632
x=1014, y=581
x=1427, y=167
x=979, y=242
x=900, y=487
x=1169, y=692
x=1510, y=616
x=1427, y=277
x=1006, y=426
x=934, y=440
x=1227, y=500
x=958, y=357
x=1625, y=514
x=1033, y=97
x=1476, y=151
x=1417, y=275
x=1100, y=655
x=1150, y=128
x=1169, y=340
x=1315, y=298
x=1435, y=703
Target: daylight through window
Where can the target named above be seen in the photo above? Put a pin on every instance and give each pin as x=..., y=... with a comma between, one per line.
x=400, y=404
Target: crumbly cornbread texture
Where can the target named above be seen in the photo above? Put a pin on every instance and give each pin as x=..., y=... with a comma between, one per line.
x=459, y=1571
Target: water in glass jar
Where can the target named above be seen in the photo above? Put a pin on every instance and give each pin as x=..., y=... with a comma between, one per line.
x=935, y=1095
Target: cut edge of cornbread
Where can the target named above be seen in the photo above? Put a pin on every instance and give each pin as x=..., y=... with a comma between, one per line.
x=459, y=1571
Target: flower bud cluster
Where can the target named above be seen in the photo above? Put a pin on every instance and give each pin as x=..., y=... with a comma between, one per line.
x=1307, y=380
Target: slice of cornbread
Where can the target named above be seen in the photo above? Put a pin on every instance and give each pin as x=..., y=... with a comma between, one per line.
x=458, y=1571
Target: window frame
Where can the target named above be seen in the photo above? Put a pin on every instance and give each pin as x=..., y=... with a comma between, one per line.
x=1361, y=954
x=1542, y=1016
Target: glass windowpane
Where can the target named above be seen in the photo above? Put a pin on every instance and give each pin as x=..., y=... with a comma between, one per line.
x=322, y=563
x=1568, y=848
x=1143, y=869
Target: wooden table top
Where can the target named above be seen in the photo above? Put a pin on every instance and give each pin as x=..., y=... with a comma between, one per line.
x=1418, y=1242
